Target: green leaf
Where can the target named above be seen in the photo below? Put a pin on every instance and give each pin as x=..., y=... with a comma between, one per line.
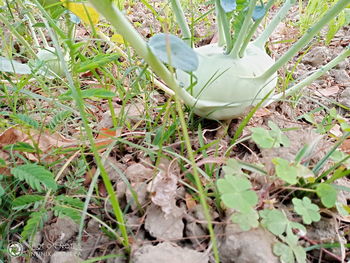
x=36, y=176
x=180, y=56
x=259, y=12
x=96, y=62
x=11, y=66
x=269, y=138
x=284, y=252
x=274, y=220
x=308, y=210
x=25, y=120
x=98, y=93
x=58, y=119
x=26, y=201
x=228, y=5
x=328, y=194
x=232, y=167
x=20, y=146
x=67, y=200
x=262, y=138
x=67, y=211
x=36, y=222
x=236, y=193
x=2, y=190
x=246, y=220
x=285, y=170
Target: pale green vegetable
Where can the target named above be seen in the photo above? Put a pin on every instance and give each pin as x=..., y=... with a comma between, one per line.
x=232, y=76
x=225, y=80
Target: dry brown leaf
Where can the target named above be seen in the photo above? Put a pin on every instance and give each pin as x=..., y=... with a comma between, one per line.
x=345, y=147
x=106, y=136
x=163, y=188
x=329, y=91
x=190, y=202
x=44, y=141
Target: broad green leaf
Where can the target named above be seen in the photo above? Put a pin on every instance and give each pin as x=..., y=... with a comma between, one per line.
x=308, y=210
x=25, y=201
x=246, y=220
x=2, y=190
x=328, y=194
x=236, y=193
x=228, y=5
x=262, y=137
x=285, y=170
x=96, y=62
x=98, y=93
x=274, y=220
x=11, y=66
x=36, y=176
x=179, y=56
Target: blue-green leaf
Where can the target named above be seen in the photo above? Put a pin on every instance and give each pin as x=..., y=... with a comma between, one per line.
x=180, y=56
x=228, y=5
x=259, y=12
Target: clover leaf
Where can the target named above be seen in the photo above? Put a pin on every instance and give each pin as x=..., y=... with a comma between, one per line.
x=309, y=211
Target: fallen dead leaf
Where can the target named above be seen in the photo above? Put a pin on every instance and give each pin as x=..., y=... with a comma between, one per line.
x=190, y=202
x=44, y=141
x=329, y=91
x=106, y=136
x=345, y=147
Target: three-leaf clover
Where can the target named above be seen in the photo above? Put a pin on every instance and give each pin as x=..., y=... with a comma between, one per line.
x=308, y=210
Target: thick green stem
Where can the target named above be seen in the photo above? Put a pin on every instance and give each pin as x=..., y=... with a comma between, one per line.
x=314, y=76
x=262, y=39
x=254, y=28
x=243, y=31
x=220, y=28
x=308, y=36
x=224, y=24
x=181, y=20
